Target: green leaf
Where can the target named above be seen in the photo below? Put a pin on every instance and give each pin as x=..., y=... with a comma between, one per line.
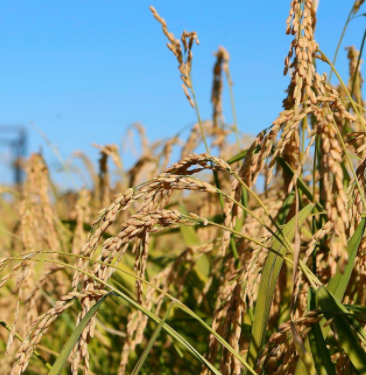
x=282, y=215
x=348, y=340
x=338, y=284
x=189, y=234
x=267, y=286
x=65, y=353
x=238, y=157
x=304, y=355
x=151, y=342
x=300, y=183
x=71, y=342
x=175, y=334
x=357, y=308
x=361, y=333
x=318, y=348
x=357, y=312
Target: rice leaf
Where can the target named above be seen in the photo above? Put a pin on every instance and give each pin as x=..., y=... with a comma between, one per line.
x=176, y=335
x=338, y=284
x=151, y=342
x=361, y=333
x=357, y=308
x=300, y=183
x=302, y=352
x=318, y=348
x=348, y=340
x=267, y=286
x=65, y=353
x=189, y=234
x=237, y=157
x=282, y=215
x=358, y=312
x=71, y=342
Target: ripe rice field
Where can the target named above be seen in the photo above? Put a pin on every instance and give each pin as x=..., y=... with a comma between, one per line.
x=247, y=260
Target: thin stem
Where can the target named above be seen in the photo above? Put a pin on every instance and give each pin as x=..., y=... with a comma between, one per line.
x=309, y=274
x=232, y=102
x=288, y=245
x=245, y=209
x=316, y=148
x=216, y=178
x=341, y=39
x=358, y=62
x=345, y=89
x=354, y=81
x=314, y=164
x=235, y=120
x=199, y=116
x=358, y=105
x=349, y=162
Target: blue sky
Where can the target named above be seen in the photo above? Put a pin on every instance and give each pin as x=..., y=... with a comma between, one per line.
x=84, y=70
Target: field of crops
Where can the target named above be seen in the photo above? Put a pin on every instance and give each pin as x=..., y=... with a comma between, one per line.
x=247, y=258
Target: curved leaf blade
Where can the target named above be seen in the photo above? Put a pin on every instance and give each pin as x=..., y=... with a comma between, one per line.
x=347, y=337
x=71, y=342
x=338, y=284
x=267, y=286
x=318, y=348
x=151, y=342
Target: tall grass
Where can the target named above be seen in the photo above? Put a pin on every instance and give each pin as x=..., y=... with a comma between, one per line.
x=200, y=267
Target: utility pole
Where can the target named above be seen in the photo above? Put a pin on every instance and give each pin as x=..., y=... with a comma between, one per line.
x=15, y=138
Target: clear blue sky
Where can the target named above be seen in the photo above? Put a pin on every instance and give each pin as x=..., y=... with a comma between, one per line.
x=84, y=70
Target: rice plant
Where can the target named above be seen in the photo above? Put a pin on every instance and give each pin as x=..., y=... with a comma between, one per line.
x=249, y=258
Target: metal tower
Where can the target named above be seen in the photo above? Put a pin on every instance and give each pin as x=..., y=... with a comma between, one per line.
x=15, y=137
